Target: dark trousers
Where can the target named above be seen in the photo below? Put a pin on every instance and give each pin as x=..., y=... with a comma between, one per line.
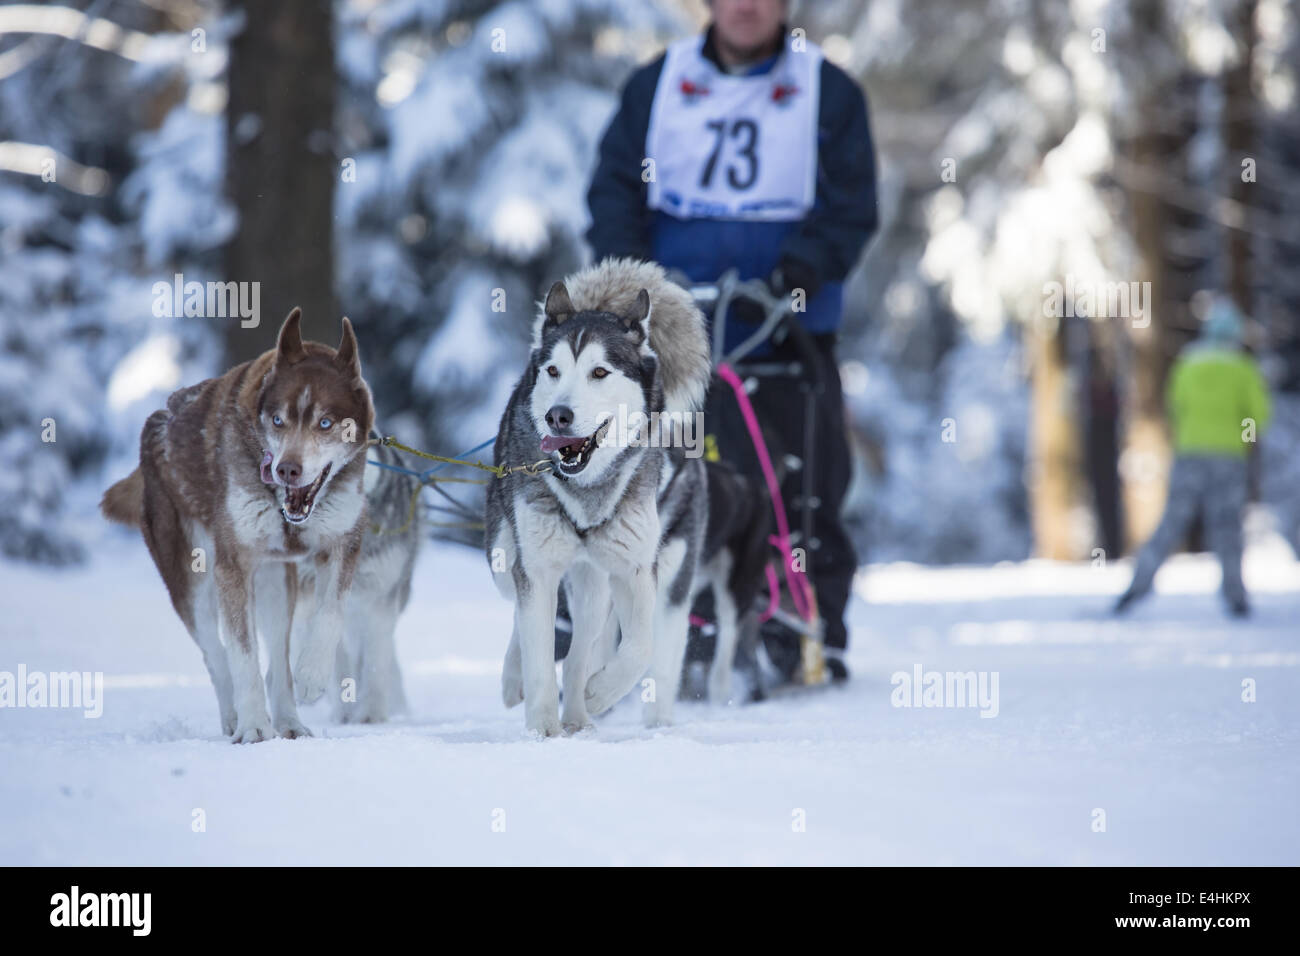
x=790, y=424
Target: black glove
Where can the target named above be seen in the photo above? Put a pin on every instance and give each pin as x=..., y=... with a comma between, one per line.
x=791, y=274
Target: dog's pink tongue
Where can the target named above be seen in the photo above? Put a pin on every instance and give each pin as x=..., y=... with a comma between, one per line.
x=556, y=442
x=266, y=469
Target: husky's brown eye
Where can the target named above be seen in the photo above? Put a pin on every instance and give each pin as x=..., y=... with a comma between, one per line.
x=552, y=371
x=599, y=372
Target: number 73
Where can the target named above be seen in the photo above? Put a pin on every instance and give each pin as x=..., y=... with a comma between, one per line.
x=744, y=131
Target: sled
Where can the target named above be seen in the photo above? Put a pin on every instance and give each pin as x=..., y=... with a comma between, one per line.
x=791, y=603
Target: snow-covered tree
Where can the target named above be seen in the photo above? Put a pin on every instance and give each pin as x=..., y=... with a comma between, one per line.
x=91, y=195
x=1022, y=143
x=468, y=132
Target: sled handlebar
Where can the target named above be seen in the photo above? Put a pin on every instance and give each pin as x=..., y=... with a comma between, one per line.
x=777, y=316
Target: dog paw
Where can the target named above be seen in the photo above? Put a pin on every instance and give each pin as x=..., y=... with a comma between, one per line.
x=720, y=692
x=542, y=727
x=575, y=727
x=654, y=720
x=364, y=712
x=512, y=690
x=291, y=729
x=252, y=732
x=310, y=678
x=228, y=723
x=602, y=691
x=371, y=715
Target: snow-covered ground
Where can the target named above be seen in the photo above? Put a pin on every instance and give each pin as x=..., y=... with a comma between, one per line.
x=1142, y=718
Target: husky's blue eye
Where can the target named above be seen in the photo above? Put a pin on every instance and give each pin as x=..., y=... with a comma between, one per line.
x=325, y=423
x=277, y=421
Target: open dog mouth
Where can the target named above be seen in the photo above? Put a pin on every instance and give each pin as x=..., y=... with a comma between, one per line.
x=575, y=450
x=298, y=501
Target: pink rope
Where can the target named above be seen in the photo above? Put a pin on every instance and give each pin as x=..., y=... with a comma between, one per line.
x=799, y=587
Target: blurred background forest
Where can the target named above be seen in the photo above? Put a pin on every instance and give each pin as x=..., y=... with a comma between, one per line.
x=421, y=166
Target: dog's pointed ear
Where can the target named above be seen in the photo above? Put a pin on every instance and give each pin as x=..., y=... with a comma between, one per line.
x=289, y=346
x=347, y=357
x=559, y=307
x=635, y=321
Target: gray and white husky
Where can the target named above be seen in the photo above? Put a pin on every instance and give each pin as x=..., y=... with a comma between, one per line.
x=619, y=522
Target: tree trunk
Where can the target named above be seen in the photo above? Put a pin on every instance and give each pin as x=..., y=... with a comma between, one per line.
x=1101, y=426
x=1239, y=143
x=280, y=169
x=1146, y=455
x=1054, y=444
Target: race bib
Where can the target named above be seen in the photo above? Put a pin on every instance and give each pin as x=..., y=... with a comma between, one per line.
x=734, y=147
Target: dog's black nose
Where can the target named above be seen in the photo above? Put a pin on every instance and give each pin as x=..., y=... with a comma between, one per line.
x=289, y=472
x=560, y=416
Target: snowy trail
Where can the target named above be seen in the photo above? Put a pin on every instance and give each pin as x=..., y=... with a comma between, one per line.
x=1142, y=718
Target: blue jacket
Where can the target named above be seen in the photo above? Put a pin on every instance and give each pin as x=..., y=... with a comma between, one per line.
x=824, y=246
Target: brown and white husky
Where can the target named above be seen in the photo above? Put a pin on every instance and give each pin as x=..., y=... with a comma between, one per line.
x=244, y=481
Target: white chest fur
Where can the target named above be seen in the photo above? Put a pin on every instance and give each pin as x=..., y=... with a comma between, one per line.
x=260, y=526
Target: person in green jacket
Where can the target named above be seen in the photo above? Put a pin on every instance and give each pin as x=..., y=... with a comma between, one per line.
x=1218, y=406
